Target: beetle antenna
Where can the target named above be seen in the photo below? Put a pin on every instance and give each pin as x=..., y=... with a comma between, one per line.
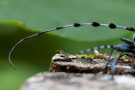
x=94, y=24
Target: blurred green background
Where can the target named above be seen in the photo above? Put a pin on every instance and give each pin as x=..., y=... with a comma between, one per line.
x=20, y=18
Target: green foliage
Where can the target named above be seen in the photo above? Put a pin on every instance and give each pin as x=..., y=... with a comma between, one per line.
x=20, y=18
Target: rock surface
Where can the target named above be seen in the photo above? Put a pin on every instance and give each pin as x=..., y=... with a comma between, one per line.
x=69, y=72
x=66, y=81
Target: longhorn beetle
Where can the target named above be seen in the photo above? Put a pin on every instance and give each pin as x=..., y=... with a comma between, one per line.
x=94, y=24
x=127, y=49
